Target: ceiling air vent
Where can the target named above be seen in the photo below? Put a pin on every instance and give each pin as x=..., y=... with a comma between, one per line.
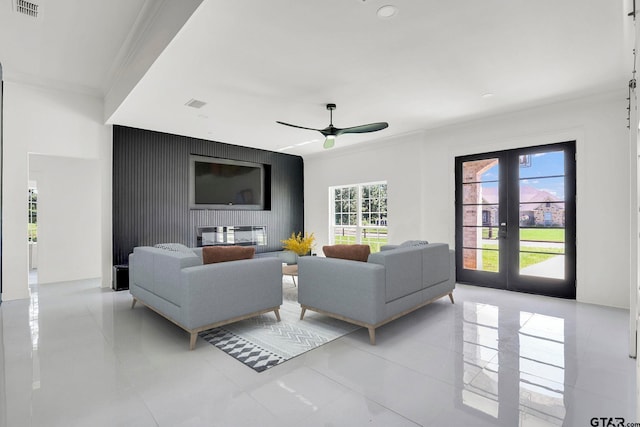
x=29, y=8
x=194, y=103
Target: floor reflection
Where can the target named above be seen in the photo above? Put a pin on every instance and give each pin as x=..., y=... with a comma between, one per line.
x=34, y=327
x=505, y=357
x=480, y=346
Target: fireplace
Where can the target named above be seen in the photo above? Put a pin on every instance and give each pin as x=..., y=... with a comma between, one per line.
x=236, y=235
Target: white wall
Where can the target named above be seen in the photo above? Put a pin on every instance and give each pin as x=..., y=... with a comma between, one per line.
x=420, y=171
x=54, y=123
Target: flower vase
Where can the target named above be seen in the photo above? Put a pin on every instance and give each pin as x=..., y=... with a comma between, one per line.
x=289, y=257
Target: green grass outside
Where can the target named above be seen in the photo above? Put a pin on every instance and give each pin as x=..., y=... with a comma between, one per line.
x=32, y=232
x=530, y=234
x=373, y=242
x=542, y=234
x=490, y=258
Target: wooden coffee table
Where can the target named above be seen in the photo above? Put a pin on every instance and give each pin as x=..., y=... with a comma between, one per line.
x=291, y=270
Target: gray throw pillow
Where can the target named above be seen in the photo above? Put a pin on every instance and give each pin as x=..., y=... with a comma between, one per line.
x=411, y=243
x=175, y=247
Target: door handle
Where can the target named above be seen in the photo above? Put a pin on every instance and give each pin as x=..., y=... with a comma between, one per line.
x=502, y=230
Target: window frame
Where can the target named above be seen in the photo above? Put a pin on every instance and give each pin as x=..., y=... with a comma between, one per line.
x=359, y=228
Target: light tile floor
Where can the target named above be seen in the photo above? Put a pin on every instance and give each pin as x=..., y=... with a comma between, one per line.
x=77, y=355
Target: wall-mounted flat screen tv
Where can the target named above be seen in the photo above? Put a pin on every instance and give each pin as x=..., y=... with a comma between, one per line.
x=225, y=184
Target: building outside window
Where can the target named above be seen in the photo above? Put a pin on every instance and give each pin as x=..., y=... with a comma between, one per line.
x=359, y=214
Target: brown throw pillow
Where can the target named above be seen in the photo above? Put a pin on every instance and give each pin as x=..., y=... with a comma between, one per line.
x=350, y=252
x=213, y=254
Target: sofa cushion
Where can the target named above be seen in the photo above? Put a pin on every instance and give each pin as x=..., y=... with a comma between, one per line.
x=350, y=252
x=213, y=254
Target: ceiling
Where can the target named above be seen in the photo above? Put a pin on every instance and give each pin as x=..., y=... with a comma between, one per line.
x=254, y=62
x=70, y=45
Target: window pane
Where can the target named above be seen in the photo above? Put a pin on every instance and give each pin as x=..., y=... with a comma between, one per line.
x=480, y=193
x=542, y=164
x=357, y=207
x=542, y=190
x=480, y=171
x=374, y=237
x=480, y=259
x=486, y=215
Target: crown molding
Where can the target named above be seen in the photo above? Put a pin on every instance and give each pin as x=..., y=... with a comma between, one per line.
x=133, y=43
x=156, y=25
x=49, y=84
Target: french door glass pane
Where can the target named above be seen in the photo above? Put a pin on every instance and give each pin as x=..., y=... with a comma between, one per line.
x=481, y=259
x=542, y=215
x=480, y=214
x=550, y=163
x=541, y=189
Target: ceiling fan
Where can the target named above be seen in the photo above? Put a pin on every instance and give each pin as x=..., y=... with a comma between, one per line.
x=331, y=132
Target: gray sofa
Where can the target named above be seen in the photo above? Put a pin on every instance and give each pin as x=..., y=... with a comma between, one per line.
x=197, y=297
x=392, y=283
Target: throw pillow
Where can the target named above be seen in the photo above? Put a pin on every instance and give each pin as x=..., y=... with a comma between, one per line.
x=410, y=243
x=350, y=252
x=175, y=247
x=213, y=254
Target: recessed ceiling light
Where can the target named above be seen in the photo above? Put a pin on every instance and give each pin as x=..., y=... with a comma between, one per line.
x=487, y=95
x=387, y=11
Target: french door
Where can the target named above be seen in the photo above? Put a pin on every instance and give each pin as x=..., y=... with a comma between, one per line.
x=515, y=219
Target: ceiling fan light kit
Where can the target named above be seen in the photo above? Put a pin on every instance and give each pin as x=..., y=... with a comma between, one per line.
x=331, y=132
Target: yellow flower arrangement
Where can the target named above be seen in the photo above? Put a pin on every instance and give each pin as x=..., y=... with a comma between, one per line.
x=298, y=244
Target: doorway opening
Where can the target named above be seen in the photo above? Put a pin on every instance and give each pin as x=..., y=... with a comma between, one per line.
x=32, y=232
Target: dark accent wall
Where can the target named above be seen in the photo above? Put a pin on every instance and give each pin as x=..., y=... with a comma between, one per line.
x=151, y=185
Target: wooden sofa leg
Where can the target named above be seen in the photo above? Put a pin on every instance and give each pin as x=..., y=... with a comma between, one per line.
x=372, y=335
x=277, y=313
x=192, y=340
x=451, y=297
x=133, y=303
x=302, y=313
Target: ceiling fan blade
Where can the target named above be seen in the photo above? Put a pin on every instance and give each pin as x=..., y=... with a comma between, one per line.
x=329, y=142
x=299, y=127
x=371, y=127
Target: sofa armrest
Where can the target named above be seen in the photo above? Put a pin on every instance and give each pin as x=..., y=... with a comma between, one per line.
x=215, y=292
x=348, y=288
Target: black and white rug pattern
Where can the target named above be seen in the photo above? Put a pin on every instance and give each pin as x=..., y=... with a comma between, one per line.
x=262, y=342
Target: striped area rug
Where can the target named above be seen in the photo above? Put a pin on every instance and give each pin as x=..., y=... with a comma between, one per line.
x=262, y=342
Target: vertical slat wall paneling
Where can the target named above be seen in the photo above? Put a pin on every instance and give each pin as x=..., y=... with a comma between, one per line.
x=151, y=184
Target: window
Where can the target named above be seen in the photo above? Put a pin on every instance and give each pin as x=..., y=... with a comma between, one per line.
x=32, y=230
x=359, y=214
